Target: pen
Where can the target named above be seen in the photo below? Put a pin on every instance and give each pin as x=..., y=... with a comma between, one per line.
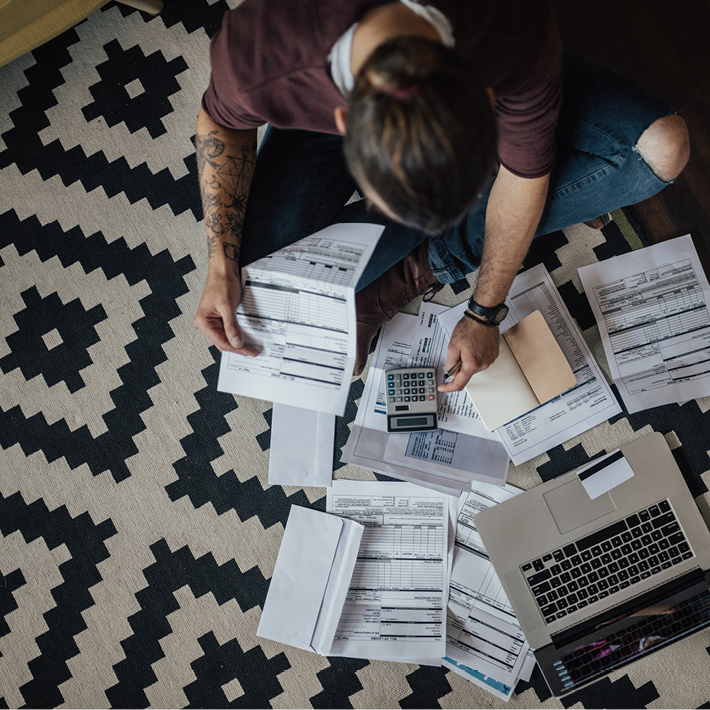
x=450, y=374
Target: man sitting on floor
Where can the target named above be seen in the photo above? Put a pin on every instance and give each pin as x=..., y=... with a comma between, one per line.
x=465, y=125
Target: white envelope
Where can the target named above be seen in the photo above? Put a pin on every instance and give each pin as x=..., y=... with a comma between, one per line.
x=301, y=451
x=310, y=580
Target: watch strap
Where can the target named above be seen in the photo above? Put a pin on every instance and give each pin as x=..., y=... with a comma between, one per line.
x=473, y=316
x=484, y=311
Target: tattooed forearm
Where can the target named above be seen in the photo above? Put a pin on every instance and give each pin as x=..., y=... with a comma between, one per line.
x=231, y=251
x=225, y=173
x=211, y=246
x=208, y=147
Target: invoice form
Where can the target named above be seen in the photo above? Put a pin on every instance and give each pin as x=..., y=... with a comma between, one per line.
x=483, y=636
x=418, y=341
x=429, y=458
x=588, y=403
x=298, y=309
x=396, y=606
x=652, y=310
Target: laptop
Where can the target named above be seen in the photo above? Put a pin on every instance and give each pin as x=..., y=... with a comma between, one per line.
x=599, y=583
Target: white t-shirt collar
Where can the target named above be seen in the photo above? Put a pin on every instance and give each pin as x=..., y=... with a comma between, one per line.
x=339, y=56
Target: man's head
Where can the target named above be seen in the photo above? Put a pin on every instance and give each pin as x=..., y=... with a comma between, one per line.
x=420, y=134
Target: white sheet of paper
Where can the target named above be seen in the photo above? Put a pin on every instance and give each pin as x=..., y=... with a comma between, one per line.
x=298, y=309
x=528, y=666
x=490, y=646
x=651, y=306
x=474, y=582
x=394, y=608
x=498, y=688
x=407, y=341
x=484, y=640
x=605, y=473
x=590, y=402
x=311, y=579
x=301, y=452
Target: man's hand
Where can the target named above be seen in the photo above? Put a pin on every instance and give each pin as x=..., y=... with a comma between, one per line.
x=216, y=314
x=476, y=346
x=513, y=212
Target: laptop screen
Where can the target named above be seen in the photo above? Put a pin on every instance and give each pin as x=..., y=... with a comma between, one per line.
x=658, y=618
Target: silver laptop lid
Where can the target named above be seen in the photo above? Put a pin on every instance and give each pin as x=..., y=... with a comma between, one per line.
x=556, y=515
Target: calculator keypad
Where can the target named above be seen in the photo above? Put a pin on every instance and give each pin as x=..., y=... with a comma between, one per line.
x=414, y=387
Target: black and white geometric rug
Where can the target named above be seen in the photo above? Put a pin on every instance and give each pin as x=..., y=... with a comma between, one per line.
x=137, y=530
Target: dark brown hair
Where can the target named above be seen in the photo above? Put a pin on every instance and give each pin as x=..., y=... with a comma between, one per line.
x=420, y=132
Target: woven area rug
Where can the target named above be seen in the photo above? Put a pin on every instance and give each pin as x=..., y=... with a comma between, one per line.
x=137, y=530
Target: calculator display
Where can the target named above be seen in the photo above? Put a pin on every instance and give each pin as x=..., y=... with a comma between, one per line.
x=419, y=421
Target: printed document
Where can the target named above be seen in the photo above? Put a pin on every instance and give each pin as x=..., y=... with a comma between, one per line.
x=484, y=641
x=446, y=460
x=590, y=402
x=652, y=310
x=298, y=310
x=395, y=606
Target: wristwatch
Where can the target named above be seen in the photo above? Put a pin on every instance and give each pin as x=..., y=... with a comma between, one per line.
x=495, y=315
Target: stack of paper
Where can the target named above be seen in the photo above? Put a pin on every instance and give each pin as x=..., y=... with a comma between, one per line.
x=588, y=403
x=652, y=308
x=484, y=641
x=447, y=460
x=397, y=573
x=382, y=599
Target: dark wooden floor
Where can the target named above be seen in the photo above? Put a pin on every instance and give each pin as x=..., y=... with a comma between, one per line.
x=663, y=44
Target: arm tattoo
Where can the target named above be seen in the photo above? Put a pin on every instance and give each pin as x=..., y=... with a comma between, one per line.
x=225, y=180
x=231, y=251
x=208, y=149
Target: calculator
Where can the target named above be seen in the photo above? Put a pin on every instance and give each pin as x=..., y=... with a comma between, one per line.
x=411, y=399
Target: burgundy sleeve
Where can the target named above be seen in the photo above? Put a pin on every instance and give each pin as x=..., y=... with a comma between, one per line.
x=527, y=120
x=223, y=102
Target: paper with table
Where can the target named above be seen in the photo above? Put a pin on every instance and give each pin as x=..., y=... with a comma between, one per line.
x=530, y=370
x=298, y=309
x=311, y=578
x=484, y=641
x=301, y=452
x=591, y=400
x=448, y=459
x=395, y=607
x=651, y=306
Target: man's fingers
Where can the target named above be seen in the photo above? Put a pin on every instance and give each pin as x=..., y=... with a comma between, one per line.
x=453, y=357
x=236, y=338
x=215, y=328
x=461, y=378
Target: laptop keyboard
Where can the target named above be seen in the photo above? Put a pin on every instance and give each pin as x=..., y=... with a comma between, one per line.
x=607, y=561
x=598, y=657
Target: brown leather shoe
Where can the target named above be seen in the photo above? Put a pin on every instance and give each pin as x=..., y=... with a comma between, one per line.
x=379, y=301
x=599, y=222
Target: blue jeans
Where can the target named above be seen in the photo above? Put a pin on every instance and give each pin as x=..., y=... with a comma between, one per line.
x=301, y=182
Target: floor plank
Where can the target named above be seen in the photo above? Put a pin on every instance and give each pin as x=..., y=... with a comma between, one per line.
x=659, y=43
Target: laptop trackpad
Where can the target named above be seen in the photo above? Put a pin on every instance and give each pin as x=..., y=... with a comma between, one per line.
x=571, y=506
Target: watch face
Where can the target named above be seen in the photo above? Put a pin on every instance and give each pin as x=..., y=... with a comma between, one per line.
x=499, y=317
